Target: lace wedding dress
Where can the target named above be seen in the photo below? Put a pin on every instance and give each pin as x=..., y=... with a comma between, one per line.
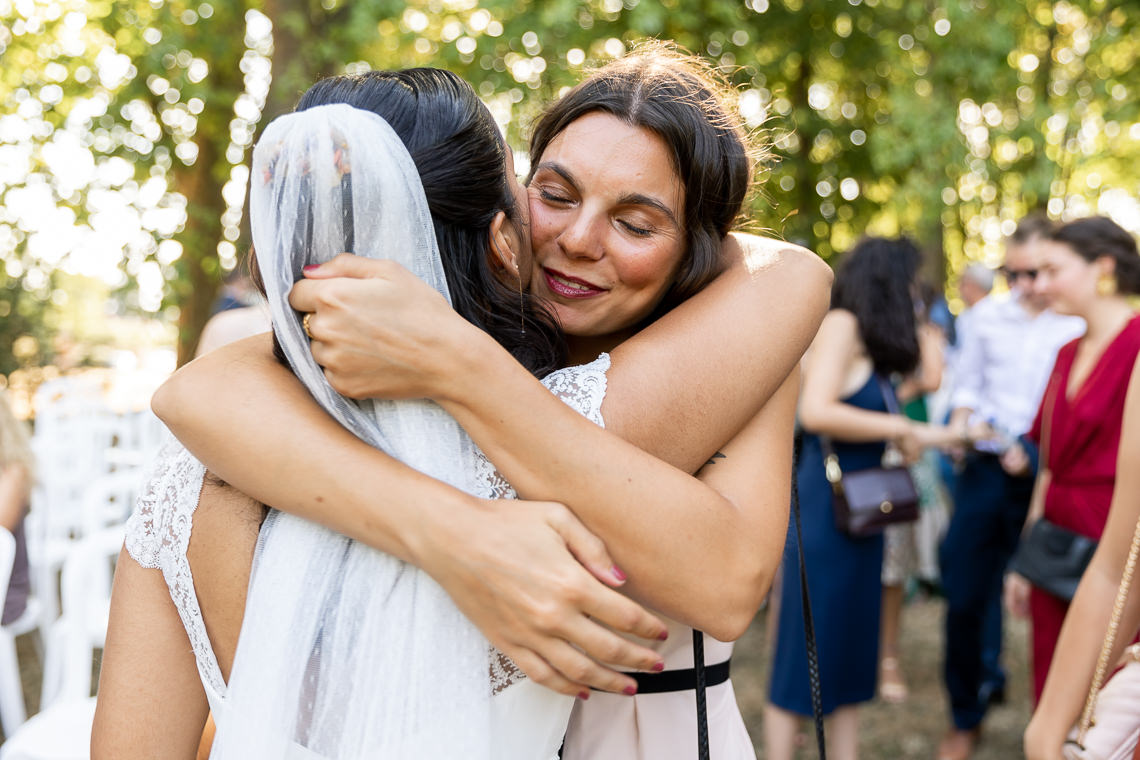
x=528, y=721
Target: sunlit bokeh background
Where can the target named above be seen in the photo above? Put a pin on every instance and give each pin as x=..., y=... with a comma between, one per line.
x=126, y=126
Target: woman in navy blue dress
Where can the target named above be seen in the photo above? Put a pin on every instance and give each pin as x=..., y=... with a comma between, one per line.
x=869, y=335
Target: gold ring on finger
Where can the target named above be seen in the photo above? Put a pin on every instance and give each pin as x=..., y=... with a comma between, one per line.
x=305, y=324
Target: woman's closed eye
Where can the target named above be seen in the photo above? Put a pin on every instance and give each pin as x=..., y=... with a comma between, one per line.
x=552, y=196
x=635, y=229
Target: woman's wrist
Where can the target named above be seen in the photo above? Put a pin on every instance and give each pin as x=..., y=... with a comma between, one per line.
x=470, y=361
x=435, y=532
x=1043, y=738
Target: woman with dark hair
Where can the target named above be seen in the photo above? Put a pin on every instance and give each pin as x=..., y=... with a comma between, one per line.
x=617, y=209
x=869, y=335
x=1089, y=269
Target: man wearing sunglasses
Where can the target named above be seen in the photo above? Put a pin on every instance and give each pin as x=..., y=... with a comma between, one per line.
x=1003, y=366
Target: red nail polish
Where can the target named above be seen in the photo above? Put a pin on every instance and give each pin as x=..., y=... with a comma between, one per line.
x=617, y=573
x=658, y=667
x=629, y=690
x=311, y=267
x=583, y=695
x=663, y=635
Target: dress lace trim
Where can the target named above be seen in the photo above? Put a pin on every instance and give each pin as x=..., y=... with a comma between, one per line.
x=582, y=388
x=158, y=535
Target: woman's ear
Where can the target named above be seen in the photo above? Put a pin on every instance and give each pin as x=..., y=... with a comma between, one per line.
x=504, y=246
x=1106, y=265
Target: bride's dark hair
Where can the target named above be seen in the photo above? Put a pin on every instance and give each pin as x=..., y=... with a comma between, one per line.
x=460, y=156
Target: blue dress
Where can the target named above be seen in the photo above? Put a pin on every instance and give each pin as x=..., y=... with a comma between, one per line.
x=843, y=580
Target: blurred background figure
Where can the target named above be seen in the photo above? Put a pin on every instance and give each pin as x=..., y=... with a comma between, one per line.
x=239, y=312
x=975, y=284
x=870, y=334
x=1089, y=268
x=910, y=551
x=17, y=471
x=1001, y=371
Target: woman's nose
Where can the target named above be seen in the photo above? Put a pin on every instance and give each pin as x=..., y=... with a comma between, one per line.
x=581, y=238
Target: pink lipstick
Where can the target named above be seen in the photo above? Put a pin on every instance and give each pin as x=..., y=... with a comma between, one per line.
x=569, y=287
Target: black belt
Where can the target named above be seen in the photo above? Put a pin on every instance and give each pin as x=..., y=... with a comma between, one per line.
x=679, y=680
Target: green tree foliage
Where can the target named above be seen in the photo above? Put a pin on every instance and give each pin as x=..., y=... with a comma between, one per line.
x=945, y=119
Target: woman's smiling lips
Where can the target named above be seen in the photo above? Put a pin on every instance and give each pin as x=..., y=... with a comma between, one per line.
x=569, y=287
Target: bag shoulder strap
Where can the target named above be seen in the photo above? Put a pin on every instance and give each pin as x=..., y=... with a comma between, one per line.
x=1048, y=406
x=702, y=708
x=1110, y=639
x=809, y=625
x=889, y=397
x=831, y=466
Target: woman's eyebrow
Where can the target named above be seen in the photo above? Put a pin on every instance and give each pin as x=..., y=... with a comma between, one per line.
x=558, y=169
x=629, y=199
x=638, y=199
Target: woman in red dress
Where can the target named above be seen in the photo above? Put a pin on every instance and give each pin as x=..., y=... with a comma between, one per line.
x=1089, y=268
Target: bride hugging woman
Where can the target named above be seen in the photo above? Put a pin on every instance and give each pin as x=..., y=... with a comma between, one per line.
x=630, y=219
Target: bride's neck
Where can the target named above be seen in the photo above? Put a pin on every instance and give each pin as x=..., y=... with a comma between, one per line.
x=585, y=348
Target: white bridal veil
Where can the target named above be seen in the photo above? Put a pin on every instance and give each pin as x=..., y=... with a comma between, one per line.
x=347, y=652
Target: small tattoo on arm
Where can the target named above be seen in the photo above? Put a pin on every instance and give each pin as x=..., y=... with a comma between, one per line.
x=716, y=456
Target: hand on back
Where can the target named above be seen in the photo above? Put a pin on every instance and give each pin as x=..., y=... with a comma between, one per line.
x=539, y=586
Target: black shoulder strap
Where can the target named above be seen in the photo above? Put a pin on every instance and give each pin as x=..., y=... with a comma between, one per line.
x=809, y=627
x=809, y=635
x=702, y=709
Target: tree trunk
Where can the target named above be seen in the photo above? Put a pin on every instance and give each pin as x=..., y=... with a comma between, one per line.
x=800, y=229
x=199, y=286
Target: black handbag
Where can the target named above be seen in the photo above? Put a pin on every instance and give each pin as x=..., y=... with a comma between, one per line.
x=1053, y=558
x=1050, y=557
x=866, y=501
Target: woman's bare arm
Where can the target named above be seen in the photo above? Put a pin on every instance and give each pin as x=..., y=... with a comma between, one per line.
x=708, y=366
x=14, y=486
x=931, y=364
x=151, y=702
x=764, y=273
x=1086, y=622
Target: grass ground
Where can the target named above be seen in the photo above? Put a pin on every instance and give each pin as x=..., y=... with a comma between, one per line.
x=909, y=731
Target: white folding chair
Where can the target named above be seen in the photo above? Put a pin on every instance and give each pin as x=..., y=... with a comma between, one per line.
x=62, y=732
x=109, y=500
x=82, y=628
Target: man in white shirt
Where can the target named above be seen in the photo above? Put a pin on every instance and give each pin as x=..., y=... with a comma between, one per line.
x=1005, y=359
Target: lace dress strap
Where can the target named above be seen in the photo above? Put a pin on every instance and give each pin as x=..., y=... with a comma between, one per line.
x=158, y=535
x=582, y=388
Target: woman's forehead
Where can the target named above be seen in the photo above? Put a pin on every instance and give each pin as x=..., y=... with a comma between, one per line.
x=603, y=152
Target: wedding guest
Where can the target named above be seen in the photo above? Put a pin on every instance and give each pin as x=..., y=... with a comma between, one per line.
x=869, y=334
x=1088, y=269
x=1001, y=374
x=17, y=470
x=1083, y=633
x=910, y=550
x=975, y=284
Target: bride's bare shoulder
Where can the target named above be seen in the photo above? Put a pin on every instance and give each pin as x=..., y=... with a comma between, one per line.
x=756, y=254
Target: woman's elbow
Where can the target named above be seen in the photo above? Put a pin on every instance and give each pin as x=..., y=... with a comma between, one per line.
x=812, y=418
x=164, y=402
x=743, y=593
